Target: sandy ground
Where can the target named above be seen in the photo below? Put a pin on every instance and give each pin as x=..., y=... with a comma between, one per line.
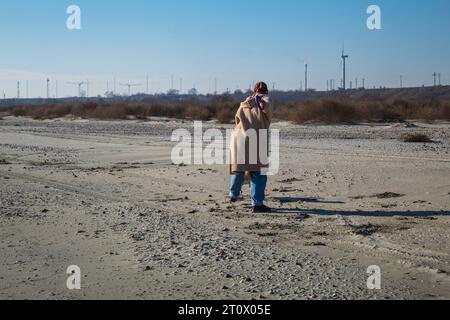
x=105, y=196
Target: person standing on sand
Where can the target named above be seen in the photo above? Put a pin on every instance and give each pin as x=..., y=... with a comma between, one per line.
x=254, y=115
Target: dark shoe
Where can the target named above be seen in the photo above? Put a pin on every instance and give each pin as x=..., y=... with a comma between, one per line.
x=261, y=209
x=236, y=199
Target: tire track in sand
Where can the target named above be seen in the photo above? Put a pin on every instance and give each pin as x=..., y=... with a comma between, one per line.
x=79, y=190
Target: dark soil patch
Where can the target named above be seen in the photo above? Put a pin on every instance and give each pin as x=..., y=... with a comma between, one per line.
x=426, y=218
x=291, y=180
x=388, y=195
x=272, y=226
x=315, y=244
x=368, y=229
x=267, y=234
x=320, y=234
x=385, y=195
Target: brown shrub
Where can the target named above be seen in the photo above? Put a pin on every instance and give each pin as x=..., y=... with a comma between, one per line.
x=339, y=110
x=43, y=112
x=323, y=110
x=197, y=113
x=108, y=112
x=416, y=138
x=18, y=112
x=169, y=111
x=226, y=114
x=92, y=110
x=330, y=110
x=445, y=111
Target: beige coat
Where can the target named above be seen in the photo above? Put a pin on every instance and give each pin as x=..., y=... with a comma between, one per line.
x=249, y=116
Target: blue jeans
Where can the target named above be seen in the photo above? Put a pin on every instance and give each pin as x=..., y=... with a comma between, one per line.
x=258, y=184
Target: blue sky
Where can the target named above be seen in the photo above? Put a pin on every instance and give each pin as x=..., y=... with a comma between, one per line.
x=235, y=41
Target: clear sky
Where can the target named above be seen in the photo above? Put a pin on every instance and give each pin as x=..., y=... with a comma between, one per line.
x=235, y=41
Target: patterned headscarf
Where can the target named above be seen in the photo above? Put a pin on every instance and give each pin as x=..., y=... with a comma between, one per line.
x=260, y=103
x=260, y=88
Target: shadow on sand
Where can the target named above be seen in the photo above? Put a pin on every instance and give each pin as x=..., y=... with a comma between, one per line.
x=359, y=213
x=307, y=199
x=321, y=212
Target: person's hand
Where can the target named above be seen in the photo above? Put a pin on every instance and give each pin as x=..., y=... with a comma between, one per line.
x=265, y=98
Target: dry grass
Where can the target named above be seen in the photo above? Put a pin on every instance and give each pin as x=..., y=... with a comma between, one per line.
x=334, y=110
x=342, y=110
x=226, y=115
x=115, y=111
x=197, y=113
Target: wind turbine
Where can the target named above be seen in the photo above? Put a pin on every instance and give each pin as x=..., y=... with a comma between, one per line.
x=130, y=85
x=87, y=88
x=48, y=88
x=344, y=58
x=79, y=84
x=306, y=65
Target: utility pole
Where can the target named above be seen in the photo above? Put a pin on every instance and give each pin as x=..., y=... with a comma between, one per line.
x=364, y=83
x=435, y=75
x=401, y=82
x=18, y=89
x=439, y=79
x=215, y=86
x=328, y=85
